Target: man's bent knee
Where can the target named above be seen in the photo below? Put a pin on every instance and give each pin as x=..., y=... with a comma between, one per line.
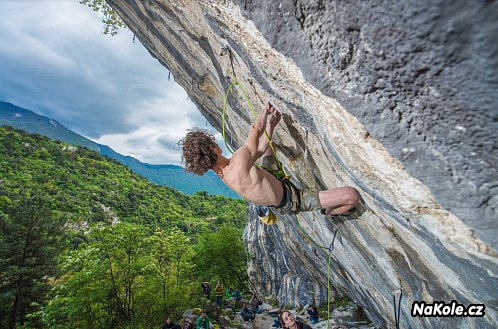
x=351, y=195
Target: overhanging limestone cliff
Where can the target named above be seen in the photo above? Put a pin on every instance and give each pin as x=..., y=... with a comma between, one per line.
x=375, y=103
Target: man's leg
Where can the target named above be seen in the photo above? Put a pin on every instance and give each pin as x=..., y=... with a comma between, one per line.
x=340, y=200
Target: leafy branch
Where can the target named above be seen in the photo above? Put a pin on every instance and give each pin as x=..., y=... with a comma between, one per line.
x=112, y=22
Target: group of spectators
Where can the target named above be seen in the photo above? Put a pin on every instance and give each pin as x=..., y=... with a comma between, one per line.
x=251, y=307
x=232, y=297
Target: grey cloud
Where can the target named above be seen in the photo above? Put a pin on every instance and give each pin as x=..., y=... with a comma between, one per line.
x=168, y=142
x=95, y=85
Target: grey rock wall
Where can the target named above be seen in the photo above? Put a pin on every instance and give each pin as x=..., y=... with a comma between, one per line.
x=421, y=76
x=383, y=97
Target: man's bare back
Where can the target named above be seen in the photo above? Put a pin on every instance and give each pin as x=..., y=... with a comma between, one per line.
x=250, y=182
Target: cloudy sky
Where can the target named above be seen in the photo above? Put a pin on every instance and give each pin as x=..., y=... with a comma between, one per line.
x=55, y=61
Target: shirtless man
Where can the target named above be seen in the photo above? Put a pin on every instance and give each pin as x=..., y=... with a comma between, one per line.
x=201, y=153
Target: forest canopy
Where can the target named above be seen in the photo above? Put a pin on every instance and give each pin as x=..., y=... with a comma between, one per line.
x=86, y=243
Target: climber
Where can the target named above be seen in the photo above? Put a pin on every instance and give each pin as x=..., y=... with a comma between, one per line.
x=201, y=153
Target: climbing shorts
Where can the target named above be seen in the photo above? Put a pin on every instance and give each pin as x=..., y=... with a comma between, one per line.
x=296, y=200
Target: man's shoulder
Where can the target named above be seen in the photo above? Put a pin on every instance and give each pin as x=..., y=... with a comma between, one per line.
x=241, y=159
x=241, y=153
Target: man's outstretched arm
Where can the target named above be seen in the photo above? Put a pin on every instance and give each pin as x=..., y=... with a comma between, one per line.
x=270, y=127
x=256, y=142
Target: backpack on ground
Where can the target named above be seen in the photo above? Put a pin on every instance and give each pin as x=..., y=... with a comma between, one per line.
x=247, y=314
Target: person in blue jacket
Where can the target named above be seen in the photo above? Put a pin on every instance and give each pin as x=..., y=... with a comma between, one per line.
x=236, y=294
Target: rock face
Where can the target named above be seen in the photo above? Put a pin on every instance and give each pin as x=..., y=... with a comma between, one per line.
x=396, y=99
x=421, y=77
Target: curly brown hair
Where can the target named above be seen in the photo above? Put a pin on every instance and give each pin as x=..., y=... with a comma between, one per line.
x=198, y=151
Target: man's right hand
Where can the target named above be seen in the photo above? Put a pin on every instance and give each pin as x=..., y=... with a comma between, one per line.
x=267, y=110
x=275, y=118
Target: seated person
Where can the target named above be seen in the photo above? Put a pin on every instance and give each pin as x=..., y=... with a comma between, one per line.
x=289, y=322
x=313, y=312
x=236, y=294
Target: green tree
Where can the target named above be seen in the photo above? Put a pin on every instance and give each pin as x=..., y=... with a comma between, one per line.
x=102, y=278
x=30, y=240
x=172, y=253
x=122, y=277
x=129, y=274
x=222, y=255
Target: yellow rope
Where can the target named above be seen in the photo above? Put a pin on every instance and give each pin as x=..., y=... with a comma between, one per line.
x=328, y=292
x=236, y=83
x=223, y=117
x=309, y=239
x=280, y=167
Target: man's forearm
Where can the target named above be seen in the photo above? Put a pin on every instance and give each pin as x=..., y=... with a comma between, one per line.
x=262, y=131
x=269, y=130
x=257, y=131
x=263, y=139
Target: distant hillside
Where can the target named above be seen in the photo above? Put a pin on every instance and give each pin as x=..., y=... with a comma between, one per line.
x=172, y=175
x=31, y=122
x=167, y=175
x=82, y=185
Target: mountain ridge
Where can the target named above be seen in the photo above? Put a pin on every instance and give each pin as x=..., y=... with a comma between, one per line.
x=164, y=174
